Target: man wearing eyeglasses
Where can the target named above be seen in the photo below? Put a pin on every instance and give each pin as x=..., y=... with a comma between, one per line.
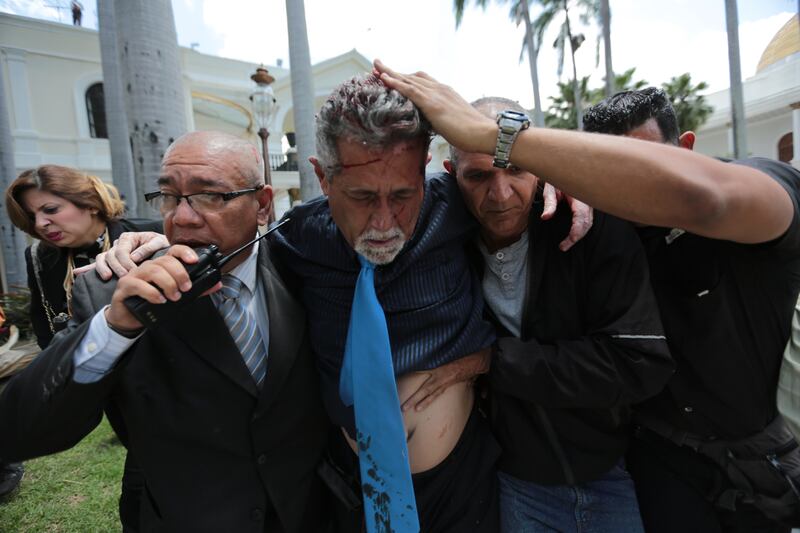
x=221, y=406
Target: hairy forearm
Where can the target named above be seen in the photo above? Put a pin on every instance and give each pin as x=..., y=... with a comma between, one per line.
x=646, y=182
x=657, y=184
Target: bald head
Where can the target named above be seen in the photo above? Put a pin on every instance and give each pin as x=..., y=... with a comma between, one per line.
x=492, y=105
x=205, y=165
x=239, y=153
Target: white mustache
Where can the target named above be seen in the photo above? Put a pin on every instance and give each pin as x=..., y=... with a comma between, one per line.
x=376, y=235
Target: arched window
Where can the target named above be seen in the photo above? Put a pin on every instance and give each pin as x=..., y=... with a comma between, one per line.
x=786, y=148
x=96, y=110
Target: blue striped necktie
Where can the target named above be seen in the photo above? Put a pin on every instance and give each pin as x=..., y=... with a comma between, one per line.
x=242, y=325
x=367, y=382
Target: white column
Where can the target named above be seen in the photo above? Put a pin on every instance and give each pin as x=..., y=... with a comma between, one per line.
x=731, y=144
x=21, y=111
x=189, y=103
x=796, y=135
x=27, y=152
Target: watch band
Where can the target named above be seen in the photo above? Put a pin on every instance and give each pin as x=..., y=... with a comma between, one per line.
x=510, y=123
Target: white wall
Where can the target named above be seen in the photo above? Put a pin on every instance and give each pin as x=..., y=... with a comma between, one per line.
x=762, y=137
x=48, y=66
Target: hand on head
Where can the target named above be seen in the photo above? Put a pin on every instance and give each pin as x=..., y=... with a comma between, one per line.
x=451, y=116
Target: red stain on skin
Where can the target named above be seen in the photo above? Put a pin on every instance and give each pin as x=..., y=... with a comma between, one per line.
x=444, y=431
x=354, y=165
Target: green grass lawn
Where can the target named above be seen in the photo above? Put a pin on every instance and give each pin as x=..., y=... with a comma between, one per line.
x=73, y=491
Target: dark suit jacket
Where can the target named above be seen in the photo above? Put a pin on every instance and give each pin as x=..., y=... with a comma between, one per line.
x=216, y=454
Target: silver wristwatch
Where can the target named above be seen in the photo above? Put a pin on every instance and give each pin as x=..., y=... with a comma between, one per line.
x=510, y=123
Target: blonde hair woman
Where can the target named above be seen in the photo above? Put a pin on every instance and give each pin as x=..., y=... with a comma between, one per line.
x=75, y=216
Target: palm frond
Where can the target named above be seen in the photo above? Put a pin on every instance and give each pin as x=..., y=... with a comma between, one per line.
x=459, y=5
x=540, y=25
x=560, y=44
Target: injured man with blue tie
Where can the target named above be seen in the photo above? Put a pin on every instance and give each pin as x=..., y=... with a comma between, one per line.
x=395, y=317
x=380, y=265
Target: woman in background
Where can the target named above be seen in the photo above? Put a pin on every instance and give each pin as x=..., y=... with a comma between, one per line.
x=74, y=216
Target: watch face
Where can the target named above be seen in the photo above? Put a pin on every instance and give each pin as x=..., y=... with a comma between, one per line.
x=513, y=119
x=515, y=115
x=509, y=123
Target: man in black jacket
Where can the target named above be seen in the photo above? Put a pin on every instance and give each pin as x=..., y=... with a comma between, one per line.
x=224, y=443
x=579, y=341
x=724, y=246
x=726, y=290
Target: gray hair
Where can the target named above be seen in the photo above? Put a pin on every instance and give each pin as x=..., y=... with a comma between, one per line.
x=490, y=106
x=242, y=154
x=365, y=111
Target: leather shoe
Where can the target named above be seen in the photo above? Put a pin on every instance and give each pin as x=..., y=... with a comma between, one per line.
x=10, y=476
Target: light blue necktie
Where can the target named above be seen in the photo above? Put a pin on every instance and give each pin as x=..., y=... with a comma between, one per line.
x=368, y=383
x=242, y=325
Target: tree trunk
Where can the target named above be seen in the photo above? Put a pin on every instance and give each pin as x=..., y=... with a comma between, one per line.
x=152, y=84
x=116, y=117
x=576, y=85
x=533, y=58
x=605, y=15
x=737, y=96
x=11, y=238
x=302, y=96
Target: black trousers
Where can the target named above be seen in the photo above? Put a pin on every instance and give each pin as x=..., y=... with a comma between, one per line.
x=672, y=485
x=458, y=495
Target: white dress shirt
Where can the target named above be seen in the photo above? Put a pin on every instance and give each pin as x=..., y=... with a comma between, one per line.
x=100, y=349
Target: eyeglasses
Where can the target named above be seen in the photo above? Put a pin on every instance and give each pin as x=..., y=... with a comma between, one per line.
x=201, y=202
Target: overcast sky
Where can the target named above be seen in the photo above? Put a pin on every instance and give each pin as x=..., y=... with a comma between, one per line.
x=661, y=38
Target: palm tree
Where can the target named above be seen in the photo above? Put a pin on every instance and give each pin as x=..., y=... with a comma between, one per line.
x=116, y=118
x=553, y=10
x=11, y=238
x=737, y=94
x=302, y=96
x=561, y=113
x=154, y=91
x=690, y=106
x=605, y=19
x=519, y=14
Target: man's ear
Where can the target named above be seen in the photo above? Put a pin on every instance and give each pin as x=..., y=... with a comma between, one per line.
x=449, y=167
x=323, y=183
x=428, y=159
x=264, y=198
x=686, y=140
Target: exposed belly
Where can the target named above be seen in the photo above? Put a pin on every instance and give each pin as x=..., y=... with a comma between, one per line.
x=433, y=432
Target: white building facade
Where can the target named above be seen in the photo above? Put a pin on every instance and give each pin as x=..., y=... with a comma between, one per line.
x=52, y=74
x=771, y=101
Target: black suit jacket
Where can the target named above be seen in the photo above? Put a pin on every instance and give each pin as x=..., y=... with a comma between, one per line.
x=216, y=453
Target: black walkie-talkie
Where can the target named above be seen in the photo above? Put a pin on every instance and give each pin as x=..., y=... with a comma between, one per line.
x=205, y=273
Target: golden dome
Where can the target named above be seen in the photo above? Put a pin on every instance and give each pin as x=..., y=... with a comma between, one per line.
x=785, y=43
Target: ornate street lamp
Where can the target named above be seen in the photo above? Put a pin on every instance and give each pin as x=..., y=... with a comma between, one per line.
x=264, y=108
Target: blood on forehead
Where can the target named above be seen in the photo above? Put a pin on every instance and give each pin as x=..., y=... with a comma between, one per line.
x=392, y=151
x=365, y=163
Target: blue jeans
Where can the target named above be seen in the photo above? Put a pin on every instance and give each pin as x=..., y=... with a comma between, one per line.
x=607, y=505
